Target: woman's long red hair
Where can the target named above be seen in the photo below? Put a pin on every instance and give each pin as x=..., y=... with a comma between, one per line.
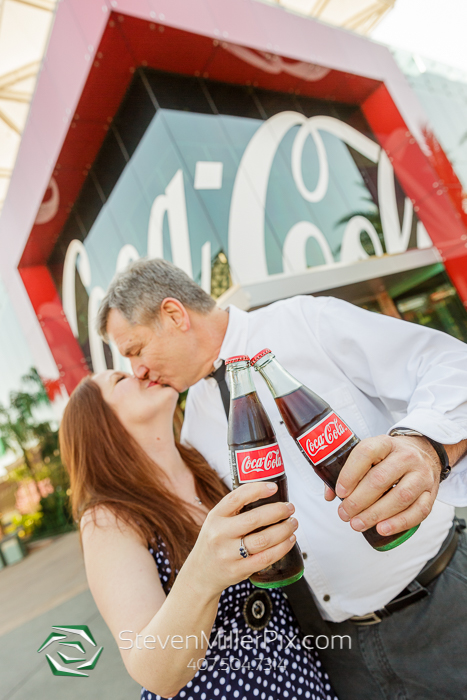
x=108, y=467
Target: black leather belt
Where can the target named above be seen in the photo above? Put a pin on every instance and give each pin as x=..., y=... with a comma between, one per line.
x=416, y=590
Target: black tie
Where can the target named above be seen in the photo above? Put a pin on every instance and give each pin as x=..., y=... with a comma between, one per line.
x=219, y=376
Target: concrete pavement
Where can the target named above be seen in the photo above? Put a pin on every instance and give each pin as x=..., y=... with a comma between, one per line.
x=49, y=588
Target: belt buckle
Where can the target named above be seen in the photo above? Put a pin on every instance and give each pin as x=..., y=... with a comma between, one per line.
x=365, y=620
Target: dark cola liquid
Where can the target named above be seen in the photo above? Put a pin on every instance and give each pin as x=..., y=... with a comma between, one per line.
x=249, y=427
x=300, y=411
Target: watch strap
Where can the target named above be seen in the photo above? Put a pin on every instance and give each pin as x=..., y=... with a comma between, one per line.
x=437, y=446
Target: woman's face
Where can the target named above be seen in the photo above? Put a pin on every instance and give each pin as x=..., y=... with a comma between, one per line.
x=137, y=402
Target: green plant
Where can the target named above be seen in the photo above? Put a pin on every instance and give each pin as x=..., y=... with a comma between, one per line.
x=37, y=440
x=24, y=525
x=20, y=429
x=56, y=514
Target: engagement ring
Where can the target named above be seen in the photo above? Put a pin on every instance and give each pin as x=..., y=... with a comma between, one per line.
x=243, y=550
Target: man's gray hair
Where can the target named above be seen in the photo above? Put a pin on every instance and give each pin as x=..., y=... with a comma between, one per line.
x=140, y=289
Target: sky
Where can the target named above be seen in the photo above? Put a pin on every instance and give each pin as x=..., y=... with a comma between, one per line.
x=430, y=28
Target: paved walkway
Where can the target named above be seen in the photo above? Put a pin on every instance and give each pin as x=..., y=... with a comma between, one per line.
x=49, y=588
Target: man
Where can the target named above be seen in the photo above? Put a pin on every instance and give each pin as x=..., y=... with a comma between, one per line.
x=378, y=373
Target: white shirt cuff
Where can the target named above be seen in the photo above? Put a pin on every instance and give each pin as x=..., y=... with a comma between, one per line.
x=452, y=490
x=435, y=426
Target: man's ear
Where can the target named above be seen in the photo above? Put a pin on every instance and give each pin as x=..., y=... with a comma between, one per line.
x=175, y=314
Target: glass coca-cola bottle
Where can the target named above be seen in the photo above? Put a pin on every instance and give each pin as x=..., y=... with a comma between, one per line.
x=255, y=456
x=323, y=437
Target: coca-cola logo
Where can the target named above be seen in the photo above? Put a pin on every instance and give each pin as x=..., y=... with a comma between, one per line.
x=332, y=431
x=272, y=460
x=325, y=438
x=246, y=212
x=259, y=463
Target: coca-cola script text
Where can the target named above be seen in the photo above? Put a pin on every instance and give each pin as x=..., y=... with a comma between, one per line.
x=259, y=463
x=325, y=438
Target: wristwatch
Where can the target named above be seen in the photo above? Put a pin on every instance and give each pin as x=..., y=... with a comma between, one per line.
x=437, y=446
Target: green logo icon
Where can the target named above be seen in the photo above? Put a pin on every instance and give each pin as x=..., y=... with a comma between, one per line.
x=68, y=653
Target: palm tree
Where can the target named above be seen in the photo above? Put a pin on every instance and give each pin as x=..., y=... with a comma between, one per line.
x=19, y=428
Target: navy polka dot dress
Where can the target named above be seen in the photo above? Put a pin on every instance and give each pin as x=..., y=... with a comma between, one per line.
x=274, y=664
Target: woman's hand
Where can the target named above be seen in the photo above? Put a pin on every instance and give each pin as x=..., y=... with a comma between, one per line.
x=216, y=556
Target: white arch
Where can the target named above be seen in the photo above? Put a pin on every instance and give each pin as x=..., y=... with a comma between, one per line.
x=96, y=343
x=247, y=253
x=352, y=248
x=126, y=255
x=396, y=240
x=423, y=239
x=76, y=257
x=294, y=251
x=346, y=133
x=308, y=129
x=342, y=131
x=173, y=204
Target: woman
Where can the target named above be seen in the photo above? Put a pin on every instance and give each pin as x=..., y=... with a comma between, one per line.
x=160, y=534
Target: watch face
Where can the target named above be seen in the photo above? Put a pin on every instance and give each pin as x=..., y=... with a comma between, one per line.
x=405, y=431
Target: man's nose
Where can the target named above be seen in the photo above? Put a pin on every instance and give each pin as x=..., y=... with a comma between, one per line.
x=139, y=370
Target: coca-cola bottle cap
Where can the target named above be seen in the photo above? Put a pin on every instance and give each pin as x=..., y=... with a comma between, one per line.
x=257, y=357
x=237, y=358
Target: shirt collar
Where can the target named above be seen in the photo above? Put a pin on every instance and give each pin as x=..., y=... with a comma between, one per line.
x=236, y=336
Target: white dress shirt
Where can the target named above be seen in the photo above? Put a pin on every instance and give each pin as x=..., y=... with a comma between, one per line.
x=377, y=372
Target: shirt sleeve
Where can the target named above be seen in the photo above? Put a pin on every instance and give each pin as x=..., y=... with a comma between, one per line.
x=415, y=371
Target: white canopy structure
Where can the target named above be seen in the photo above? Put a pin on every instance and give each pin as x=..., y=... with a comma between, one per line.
x=24, y=29
x=360, y=16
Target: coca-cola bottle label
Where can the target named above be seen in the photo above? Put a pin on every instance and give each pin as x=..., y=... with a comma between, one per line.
x=325, y=438
x=259, y=463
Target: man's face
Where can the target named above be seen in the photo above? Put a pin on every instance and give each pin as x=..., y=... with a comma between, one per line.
x=166, y=353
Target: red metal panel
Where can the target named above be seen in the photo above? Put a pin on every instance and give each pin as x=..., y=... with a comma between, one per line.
x=81, y=145
x=159, y=46
x=48, y=307
x=457, y=271
x=432, y=187
x=44, y=236
x=228, y=67
x=109, y=76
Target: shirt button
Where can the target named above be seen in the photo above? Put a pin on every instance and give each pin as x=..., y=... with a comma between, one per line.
x=304, y=555
x=326, y=598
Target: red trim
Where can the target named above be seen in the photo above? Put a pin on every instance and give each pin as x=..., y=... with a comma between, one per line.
x=48, y=307
x=429, y=181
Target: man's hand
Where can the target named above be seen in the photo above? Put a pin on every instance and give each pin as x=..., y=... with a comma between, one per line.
x=372, y=469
